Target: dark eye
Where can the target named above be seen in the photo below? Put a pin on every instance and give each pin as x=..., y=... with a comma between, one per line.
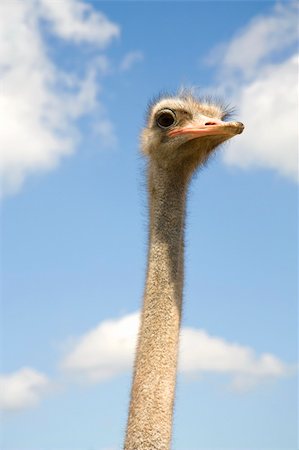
x=166, y=119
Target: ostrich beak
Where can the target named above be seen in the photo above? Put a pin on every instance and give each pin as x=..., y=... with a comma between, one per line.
x=211, y=127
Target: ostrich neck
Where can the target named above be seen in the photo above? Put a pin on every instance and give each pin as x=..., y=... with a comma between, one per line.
x=152, y=397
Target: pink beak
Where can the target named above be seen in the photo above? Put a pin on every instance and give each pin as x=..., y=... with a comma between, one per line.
x=211, y=127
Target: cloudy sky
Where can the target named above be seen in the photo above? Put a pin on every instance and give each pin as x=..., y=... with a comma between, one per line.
x=75, y=80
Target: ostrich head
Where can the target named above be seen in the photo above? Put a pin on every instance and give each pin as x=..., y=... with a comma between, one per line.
x=182, y=131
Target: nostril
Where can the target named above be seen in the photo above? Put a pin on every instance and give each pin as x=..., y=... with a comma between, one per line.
x=211, y=123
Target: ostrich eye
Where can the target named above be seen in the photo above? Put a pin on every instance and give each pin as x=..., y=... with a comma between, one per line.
x=166, y=119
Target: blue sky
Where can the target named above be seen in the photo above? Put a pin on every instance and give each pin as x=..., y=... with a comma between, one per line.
x=77, y=77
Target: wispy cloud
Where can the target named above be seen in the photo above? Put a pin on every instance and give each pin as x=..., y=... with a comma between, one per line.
x=108, y=350
x=39, y=102
x=130, y=59
x=77, y=21
x=22, y=389
x=105, y=130
x=258, y=69
x=264, y=37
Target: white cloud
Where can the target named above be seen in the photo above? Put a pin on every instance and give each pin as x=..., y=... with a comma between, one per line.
x=105, y=351
x=22, y=389
x=108, y=350
x=130, y=59
x=202, y=353
x=268, y=105
x=77, y=21
x=258, y=70
x=40, y=102
x=265, y=36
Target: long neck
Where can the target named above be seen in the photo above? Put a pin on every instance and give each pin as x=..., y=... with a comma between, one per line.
x=152, y=397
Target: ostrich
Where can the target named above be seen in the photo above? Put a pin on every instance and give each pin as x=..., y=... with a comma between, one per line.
x=181, y=134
